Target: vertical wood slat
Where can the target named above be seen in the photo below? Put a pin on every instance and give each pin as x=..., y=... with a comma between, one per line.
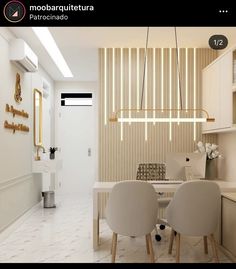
x=118, y=160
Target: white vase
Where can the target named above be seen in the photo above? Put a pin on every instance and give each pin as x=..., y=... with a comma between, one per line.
x=211, y=169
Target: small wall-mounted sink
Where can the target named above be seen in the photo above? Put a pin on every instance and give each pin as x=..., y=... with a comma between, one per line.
x=46, y=166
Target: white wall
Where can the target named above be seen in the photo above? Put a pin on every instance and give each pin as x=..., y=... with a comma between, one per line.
x=19, y=188
x=37, y=81
x=227, y=147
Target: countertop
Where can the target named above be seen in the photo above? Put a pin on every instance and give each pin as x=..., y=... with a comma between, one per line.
x=230, y=195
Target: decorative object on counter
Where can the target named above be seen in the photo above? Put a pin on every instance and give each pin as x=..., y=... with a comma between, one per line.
x=212, y=155
x=14, y=111
x=211, y=169
x=52, y=152
x=17, y=94
x=16, y=127
x=210, y=149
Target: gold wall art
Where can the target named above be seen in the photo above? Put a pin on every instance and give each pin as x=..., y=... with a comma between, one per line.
x=16, y=127
x=17, y=94
x=14, y=111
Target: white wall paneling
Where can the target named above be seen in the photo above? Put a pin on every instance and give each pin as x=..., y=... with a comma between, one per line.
x=19, y=188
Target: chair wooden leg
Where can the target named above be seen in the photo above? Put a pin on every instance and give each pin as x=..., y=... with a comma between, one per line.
x=214, y=248
x=149, y=238
x=172, y=236
x=177, y=258
x=205, y=244
x=112, y=240
x=113, y=248
x=147, y=245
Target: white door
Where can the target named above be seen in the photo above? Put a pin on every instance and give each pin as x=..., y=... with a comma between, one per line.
x=76, y=142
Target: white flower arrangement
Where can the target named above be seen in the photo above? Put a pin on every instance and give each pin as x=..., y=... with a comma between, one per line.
x=210, y=149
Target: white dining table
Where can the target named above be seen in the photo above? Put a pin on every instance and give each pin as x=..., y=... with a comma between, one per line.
x=106, y=187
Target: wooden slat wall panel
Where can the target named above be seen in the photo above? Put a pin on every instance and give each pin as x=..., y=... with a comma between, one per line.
x=118, y=160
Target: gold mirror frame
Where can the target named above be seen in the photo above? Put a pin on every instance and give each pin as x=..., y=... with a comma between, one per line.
x=38, y=118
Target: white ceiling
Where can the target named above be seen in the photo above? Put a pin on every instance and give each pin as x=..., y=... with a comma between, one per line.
x=79, y=44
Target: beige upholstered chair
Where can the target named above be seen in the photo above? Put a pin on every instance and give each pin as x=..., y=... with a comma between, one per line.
x=155, y=171
x=194, y=211
x=132, y=211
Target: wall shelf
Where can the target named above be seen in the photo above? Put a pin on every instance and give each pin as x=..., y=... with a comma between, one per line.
x=223, y=130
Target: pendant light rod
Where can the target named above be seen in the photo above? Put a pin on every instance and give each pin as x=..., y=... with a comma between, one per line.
x=144, y=68
x=178, y=70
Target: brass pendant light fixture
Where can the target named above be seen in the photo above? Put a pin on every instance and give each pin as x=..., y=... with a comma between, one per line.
x=118, y=116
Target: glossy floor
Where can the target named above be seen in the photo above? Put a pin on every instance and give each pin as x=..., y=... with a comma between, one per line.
x=64, y=234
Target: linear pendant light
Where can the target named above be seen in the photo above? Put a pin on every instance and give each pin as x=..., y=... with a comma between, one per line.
x=115, y=117
x=51, y=47
x=118, y=115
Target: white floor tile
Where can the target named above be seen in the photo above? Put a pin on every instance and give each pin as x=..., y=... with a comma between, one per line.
x=64, y=234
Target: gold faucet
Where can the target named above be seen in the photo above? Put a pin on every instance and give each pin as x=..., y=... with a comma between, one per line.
x=37, y=157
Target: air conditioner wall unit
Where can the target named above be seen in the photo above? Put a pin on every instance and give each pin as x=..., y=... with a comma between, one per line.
x=23, y=56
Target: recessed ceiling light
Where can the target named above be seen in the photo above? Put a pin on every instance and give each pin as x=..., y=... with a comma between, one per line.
x=50, y=45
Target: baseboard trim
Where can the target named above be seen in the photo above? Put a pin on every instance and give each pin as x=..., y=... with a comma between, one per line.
x=13, y=181
x=18, y=221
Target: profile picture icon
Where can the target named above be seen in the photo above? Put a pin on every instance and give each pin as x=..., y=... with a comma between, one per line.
x=14, y=11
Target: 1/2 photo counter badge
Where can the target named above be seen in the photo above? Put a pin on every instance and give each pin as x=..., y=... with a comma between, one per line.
x=14, y=11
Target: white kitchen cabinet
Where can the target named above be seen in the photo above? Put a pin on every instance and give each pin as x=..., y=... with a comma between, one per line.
x=228, y=224
x=217, y=94
x=225, y=94
x=210, y=94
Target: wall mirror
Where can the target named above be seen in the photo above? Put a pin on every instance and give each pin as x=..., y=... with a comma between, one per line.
x=38, y=117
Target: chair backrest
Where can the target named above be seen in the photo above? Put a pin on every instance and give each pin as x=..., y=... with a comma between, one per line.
x=151, y=171
x=132, y=208
x=195, y=208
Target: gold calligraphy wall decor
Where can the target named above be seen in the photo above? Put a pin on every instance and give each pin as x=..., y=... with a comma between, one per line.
x=17, y=94
x=14, y=111
x=16, y=127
